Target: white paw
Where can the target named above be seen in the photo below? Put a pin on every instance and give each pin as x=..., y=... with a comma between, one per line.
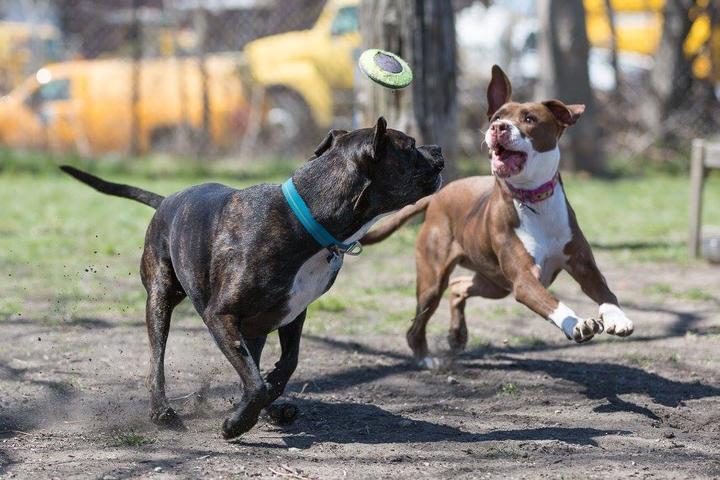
x=575, y=328
x=615, y=321
x=431, y=363
x=581, y=330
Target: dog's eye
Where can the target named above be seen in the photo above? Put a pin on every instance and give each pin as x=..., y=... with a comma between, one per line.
x=530, y=119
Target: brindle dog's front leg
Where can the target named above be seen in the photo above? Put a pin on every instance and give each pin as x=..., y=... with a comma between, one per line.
x=225, y=330
x=290, y=335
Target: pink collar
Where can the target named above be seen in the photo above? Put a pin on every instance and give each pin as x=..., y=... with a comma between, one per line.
x=536, y=195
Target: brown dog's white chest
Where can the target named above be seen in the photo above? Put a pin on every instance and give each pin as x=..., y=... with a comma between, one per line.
x=545, y=232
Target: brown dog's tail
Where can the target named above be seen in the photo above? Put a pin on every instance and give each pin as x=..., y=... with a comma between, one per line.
x=116, y=189
x=389, y=226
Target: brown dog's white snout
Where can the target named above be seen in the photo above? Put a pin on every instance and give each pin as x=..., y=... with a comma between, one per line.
x=499, y=131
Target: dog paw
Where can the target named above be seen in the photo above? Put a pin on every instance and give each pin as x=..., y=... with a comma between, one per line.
x=167, y=418
x=457, y=341
x=585, y=329
x=430, y=363
x=282, y=413
x=615, y=321
x=239, y=422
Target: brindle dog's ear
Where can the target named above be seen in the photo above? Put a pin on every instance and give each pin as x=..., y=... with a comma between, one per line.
x=328, y=142
x=566, y=115
x=499, y=91
x=379, y=138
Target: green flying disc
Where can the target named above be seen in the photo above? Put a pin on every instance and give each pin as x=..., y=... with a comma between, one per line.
x=385, y=68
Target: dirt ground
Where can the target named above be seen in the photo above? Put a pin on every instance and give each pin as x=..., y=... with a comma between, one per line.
x=521, y=403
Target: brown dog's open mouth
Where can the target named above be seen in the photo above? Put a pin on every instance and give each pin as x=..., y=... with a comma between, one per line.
x=506, y=163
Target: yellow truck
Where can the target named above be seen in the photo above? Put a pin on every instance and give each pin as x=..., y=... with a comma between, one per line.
x=85, y=105
x=23, y=48
x=639, y=29
x=307, y=76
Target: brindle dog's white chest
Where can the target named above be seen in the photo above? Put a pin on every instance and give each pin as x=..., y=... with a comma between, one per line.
x=315, y=275
x=311, y=281
x=545, y=233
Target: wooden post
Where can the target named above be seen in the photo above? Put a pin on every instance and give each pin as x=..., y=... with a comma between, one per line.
x=697, y=177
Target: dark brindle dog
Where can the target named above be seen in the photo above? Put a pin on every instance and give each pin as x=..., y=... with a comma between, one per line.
x=248, y=264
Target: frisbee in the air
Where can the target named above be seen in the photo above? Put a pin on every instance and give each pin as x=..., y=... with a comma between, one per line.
x=385, y=68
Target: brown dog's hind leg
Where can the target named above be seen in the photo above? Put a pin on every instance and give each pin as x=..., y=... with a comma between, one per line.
x=462, y=288
x=163, y=294
x=435, y=258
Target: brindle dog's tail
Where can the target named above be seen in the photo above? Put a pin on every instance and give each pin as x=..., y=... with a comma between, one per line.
x=395, y=221
x=116, y=189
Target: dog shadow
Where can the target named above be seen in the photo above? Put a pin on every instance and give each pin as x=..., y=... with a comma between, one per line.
x=352, y=422
x=607, y=381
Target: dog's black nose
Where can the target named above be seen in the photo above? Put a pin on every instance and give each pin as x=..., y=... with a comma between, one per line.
x=436, y=157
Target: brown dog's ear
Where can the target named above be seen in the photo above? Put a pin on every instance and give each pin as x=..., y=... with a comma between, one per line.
x=328, y=142
x=379, y=138
x=499, y=91
x=566, y=115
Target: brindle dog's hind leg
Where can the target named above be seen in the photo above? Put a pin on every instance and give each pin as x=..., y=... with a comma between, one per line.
x=163, y=294
x=226, y=332
x=462, y=288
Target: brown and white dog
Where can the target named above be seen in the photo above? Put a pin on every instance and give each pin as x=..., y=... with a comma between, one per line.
x=515, y=229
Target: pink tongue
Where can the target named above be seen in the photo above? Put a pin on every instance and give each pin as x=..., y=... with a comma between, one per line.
x=507, y=163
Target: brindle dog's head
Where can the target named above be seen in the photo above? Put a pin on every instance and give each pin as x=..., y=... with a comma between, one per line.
x=374, y=171
x=523, y=137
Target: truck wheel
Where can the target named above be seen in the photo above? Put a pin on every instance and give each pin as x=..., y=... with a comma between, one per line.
x=288, y=127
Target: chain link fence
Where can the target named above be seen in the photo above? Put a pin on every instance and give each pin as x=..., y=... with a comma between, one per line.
x=266, y=78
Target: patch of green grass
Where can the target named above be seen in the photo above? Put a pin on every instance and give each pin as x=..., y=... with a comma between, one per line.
x=131, y=439
x=666, y=290
x=508, y=389
x=502, y=451
x=329, y=304
x=526, y=341
x=658, y=289
x=641, y=361
x=698, y=294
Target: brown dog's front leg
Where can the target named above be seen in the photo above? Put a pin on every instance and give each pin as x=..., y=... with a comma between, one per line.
x=530, y=292
x=582, y=267
x=225, y=331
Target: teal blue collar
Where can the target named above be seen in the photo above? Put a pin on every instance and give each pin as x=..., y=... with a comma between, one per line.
x=317, y=231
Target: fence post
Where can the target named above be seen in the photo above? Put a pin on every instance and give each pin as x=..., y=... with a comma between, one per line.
x=697, y=177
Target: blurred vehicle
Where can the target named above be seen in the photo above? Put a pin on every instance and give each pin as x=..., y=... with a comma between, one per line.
x=638, y=26
x=86, y=105
x=23, y=48
x=307, y=76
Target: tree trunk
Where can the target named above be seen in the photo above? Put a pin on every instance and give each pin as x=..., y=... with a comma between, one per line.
x=563, y=51
x=135, y=81
x=201, y=23
x=610, y=12
x=671, y=77
x=423, y=33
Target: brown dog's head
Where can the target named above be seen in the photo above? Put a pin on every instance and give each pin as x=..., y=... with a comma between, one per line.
x=523, y=137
